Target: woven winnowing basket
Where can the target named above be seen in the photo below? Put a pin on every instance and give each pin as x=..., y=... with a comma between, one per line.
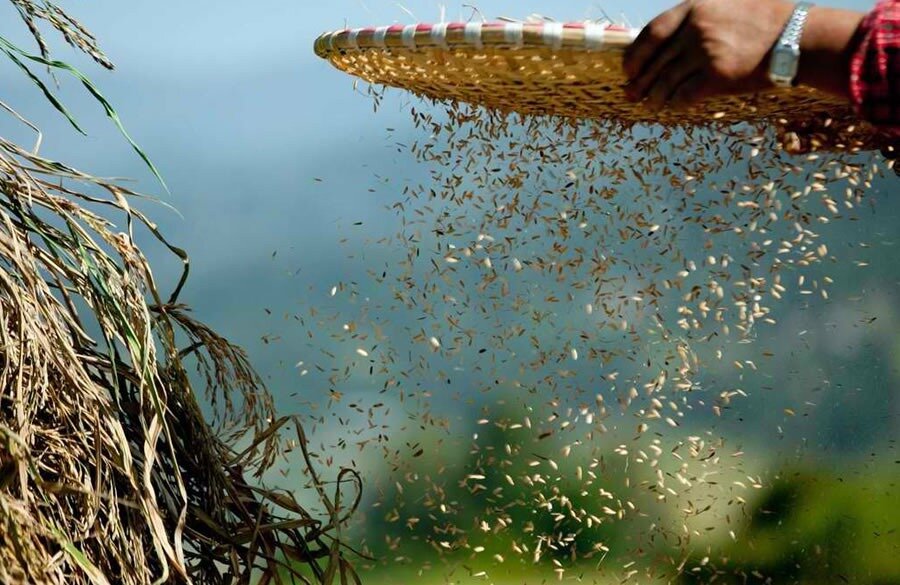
x=571, y=70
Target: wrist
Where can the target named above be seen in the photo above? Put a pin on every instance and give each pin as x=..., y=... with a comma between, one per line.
x=826, y=48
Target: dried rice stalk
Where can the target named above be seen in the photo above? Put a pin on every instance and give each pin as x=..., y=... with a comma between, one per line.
x=108, y=470
x=72, y=31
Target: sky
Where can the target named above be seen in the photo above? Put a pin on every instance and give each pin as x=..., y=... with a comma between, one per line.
x=265, y=148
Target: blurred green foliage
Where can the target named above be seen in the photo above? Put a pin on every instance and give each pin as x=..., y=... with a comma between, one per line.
x=815, y=526
x=811, y=526
x=439, y=509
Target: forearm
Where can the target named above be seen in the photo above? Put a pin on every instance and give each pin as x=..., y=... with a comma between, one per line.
x=829, y=41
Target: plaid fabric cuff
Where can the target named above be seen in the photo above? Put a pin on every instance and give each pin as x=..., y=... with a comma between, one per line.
x=875, y=68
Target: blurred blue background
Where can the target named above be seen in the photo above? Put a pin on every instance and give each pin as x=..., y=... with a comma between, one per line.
x=241, y=118
x=271, y=157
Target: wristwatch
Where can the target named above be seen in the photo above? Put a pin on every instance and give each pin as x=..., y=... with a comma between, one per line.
x=786, y=54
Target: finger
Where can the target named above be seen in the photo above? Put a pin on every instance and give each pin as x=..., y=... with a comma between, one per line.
x=652, y=38
x=669, y=81
x=667, y=57
x=692, y=90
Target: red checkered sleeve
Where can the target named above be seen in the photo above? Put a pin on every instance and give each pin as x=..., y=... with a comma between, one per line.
x=875, y=68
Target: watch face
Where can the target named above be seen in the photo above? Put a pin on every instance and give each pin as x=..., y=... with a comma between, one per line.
x=784, y=63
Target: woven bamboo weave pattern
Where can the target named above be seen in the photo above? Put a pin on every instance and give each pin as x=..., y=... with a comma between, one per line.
x=572, y=70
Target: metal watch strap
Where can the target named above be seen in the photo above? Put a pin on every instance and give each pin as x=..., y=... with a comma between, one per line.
x=793, y=32
x=786, y=53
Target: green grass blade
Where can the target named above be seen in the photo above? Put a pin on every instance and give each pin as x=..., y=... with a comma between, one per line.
x=43, y=87
x=111, y=113
x=80, y=559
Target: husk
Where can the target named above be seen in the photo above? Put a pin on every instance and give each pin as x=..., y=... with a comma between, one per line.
x=109, y=472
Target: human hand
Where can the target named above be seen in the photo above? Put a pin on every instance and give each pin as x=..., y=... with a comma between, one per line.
x=704, y=48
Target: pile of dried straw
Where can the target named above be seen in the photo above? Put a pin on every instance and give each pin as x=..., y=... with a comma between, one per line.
x=108, y=470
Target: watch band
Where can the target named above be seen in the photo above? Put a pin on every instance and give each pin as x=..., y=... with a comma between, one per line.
x=786, y=54
x=793, y=32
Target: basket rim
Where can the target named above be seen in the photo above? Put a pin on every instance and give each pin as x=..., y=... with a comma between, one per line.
x=510, y=66
x=549, y=36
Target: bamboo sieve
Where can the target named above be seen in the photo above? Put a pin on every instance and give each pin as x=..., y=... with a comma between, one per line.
x=571, y=70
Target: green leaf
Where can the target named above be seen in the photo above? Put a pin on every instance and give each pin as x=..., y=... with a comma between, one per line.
x=80, y=559
x=47, y=93
x=11, y=50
